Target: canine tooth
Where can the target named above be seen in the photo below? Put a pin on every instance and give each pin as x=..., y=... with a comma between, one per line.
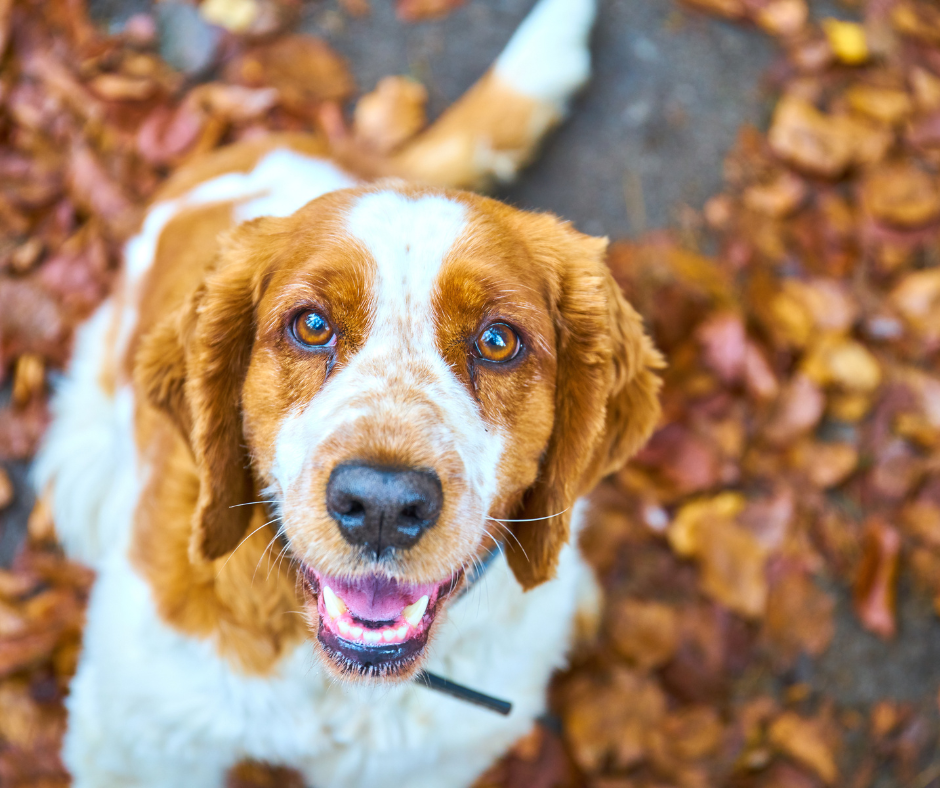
x=415, y=612
x=334, y=605
x=372, y=636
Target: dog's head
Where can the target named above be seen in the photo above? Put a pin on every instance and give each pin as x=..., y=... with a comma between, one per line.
x=410, y=376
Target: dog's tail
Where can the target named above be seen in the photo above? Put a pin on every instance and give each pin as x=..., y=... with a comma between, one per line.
x=494, y=129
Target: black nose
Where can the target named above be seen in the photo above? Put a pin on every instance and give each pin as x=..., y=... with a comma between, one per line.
x=383, y=508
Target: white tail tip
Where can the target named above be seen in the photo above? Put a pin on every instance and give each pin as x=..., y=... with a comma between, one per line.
x=548, y=58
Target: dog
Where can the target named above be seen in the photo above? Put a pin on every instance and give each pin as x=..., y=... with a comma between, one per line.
x=333, y=430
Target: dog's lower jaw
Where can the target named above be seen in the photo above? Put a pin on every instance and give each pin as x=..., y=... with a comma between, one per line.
x=388, y=650
x=355, y=662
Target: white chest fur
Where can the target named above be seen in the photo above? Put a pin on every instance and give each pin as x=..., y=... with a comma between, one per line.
x=153, y=707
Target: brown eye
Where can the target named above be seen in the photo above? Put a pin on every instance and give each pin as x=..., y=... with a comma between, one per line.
x=311, y=328
x=498, y=342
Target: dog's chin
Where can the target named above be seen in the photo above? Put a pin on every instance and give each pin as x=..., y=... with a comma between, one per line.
x=373, y=627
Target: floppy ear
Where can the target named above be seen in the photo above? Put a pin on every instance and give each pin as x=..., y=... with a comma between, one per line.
x=606, y=396
x=192, y=366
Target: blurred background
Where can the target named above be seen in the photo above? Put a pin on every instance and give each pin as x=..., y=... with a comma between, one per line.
x=767, y=173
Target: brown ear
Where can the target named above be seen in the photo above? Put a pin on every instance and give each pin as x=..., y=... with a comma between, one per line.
x=192, y=366
x=606, y=396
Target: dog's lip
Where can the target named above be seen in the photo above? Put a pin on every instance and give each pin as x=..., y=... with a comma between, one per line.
x=372, y=625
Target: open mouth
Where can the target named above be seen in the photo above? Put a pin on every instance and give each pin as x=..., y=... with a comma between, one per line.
x=372, y=625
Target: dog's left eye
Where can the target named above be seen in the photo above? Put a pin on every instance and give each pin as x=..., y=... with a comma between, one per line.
x=311, y=328
x=498, y=342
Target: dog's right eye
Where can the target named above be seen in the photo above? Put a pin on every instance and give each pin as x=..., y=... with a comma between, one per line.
x=312, y=329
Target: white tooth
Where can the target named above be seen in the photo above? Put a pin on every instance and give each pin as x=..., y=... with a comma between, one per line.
x=402, y=631
x=355, y=631
x=415, y=612
x=388, y=635
x=372, y=636
x=343, y=626
x=334, y=605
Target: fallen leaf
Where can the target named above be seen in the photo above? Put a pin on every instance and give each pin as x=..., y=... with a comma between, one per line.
x=612, y=717
x=798, y=409
x=304, y=70
x=236, y=16
x=645, y=633
x=391, y=114
x=732, y=562
x=807, y=741
x=6, y=490
x=422, y=10
x=799, y=617
x=847, y=40
x=875, y=591
x=902, y=195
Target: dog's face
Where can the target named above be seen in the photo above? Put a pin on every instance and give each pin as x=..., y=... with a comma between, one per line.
x=411, y=377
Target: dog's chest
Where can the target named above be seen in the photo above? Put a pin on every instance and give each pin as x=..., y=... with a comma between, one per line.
x=496, y=639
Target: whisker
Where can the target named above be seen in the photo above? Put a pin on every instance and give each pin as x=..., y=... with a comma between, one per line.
x=277, y=533
x=241, y=543
x=530, y=519
x=510, y=533
x=252, y=503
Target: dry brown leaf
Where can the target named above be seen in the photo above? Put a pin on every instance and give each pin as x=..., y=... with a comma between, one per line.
x=917, y=298
x=645, y=633
x=28, y=379
x=732, y=562
x=730, y=9
x=799, y=616
x=723, y=341
x=304, y=70
x=883, y=104
x=808, y=741
x=825, y=464
x=612, y=718
x=391, y=114
x=781, y=17
x=421, y=10
x=798, y=409
x=690, y=526
x=902, y=195
x=839, y=361
x=821, y=144
x=779, y=197
x=875, y=591
x=6, y=489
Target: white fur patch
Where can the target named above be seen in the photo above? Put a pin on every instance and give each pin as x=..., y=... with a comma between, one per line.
x=151, y=707
x=548, y=58
x=88, y=458
x=408, y=239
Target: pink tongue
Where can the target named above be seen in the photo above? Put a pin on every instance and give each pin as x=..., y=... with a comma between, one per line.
x=375, y=598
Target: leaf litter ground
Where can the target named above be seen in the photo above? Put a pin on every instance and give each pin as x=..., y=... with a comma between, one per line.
x=795, y=472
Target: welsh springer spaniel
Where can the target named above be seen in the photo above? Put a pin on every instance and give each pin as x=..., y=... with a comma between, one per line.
x=326, y=394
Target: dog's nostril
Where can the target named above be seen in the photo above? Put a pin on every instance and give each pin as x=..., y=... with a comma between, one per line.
x=382, y=508
x=354, y=508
